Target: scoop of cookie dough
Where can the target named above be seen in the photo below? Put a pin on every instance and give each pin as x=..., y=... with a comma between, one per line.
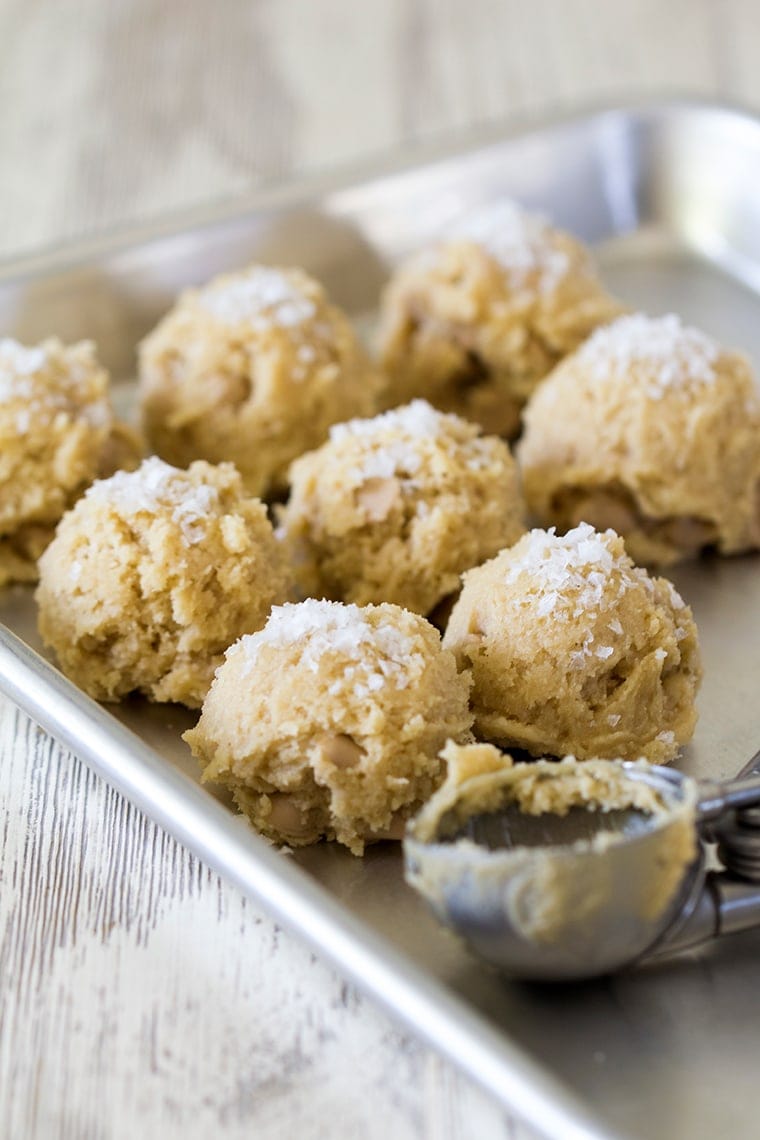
x=573, y=649
x=153, y=575
x=653, y=429
x=476, y=322
x=328, y=723
x=397, y=507
x=253, y=368
x=56, y=426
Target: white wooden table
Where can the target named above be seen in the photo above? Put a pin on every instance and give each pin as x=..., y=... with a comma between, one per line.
x=139, y=995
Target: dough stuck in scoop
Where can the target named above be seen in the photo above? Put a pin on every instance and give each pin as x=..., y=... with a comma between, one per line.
x=329, y=722
x=153, y=575
x=56, y=426
x=653, y=429
x=475, y=322
x=397, y=507
x=253, y=368
x=573, y=649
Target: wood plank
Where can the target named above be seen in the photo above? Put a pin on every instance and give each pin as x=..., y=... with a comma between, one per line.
x=138, y=991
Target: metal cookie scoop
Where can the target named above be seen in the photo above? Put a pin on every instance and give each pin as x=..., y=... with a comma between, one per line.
x=561, y=870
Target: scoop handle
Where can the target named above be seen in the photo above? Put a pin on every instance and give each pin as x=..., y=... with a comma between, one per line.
x=718, y=797
x=724, y=906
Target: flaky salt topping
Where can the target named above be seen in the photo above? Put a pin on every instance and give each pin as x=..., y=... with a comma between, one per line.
x=41, y=394
x=156, y=487
x=674, y=356
x=17, y=361
x=524, y=244
x=392, y=439
x=48, y=380
x=372, y=655
x=261, y=296
x=419, y=420
x=569, y=575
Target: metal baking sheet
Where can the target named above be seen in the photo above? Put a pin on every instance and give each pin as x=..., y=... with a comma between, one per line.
x=668, y=196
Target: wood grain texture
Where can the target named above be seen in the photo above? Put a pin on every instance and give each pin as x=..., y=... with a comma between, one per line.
x=138, y=993
x=137, y=989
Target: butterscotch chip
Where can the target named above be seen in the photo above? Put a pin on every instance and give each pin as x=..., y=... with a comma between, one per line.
x=397, y=507
x=286, y=818
x=152, y=575
x=340, y=750
x=654, y=429
x=474, y=323
x=328, y=722
x=574, y=650
x=253, y=368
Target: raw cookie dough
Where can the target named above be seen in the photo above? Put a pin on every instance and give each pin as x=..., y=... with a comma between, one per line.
x=573, y=649
x=153, y=575
x=397, y=507
x=56, y=424
x=481, y=780
x=253, y=368
x=328, y=723
x=653, y=429
x=476, y=322
x=560, y=895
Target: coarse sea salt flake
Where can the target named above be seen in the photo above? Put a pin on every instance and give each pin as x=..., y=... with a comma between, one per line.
x=524, y=244
x=386, y=462
x=51, y=386
x=416, y=420
x=394, y=443
x=155, y=487
x=262, y=295
x=19, y=359
x=546, y=604
x=372, y=655
x=569, y=575
x=676, y=600
x=661, y=353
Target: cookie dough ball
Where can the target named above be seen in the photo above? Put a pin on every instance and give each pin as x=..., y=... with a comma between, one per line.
x=153, y=575
x=397, y=507
x=328, y=723
x=55, y=426
x=475, y=323
x=253, y=368
x=653, y=429
x=573, y=649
